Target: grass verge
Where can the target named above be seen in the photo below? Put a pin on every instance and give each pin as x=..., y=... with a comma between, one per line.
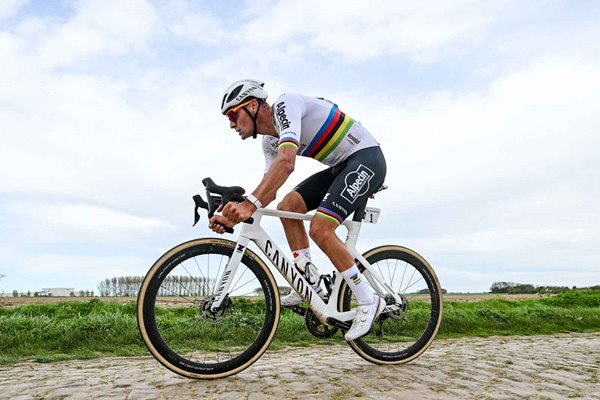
x=74, y=330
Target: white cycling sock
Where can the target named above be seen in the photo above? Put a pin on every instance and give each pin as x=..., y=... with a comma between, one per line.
x=358, y=284
x=303, y=257
x=305, y=252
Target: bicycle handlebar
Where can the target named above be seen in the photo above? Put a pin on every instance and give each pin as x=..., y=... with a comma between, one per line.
x=217, y=195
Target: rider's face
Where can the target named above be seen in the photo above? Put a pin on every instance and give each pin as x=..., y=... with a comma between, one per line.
x=240, y=120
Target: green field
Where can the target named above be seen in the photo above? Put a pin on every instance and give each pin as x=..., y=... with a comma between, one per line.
x=77, y=330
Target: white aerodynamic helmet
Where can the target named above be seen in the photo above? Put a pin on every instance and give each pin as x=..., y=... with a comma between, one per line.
x=241, y=92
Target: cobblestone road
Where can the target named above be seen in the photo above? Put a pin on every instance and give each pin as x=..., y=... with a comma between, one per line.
x=541, y=367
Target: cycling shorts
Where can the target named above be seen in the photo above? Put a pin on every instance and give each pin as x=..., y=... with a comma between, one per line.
x=338, y=191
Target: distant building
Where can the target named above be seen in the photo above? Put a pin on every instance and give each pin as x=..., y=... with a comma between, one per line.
x=57, y=292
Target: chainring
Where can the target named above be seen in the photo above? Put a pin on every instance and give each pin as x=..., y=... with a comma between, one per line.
x=316, y=328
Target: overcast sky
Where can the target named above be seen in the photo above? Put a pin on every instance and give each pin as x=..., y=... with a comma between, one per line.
x=487, y=112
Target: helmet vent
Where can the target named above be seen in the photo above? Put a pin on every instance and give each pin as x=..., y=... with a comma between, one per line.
x=234, y=93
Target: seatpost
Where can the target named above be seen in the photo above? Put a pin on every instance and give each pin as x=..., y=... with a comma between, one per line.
x=360, y=212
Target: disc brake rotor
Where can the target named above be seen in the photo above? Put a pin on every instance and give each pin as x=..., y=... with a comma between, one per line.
x=205, y=313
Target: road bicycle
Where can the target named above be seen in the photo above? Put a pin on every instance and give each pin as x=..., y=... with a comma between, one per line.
x=209, y=308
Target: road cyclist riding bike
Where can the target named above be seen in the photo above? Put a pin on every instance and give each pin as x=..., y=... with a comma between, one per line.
x=209, y=308
x=298, y=125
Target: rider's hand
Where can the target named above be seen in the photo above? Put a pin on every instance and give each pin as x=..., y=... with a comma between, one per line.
x=217, y=224
x=238, y=212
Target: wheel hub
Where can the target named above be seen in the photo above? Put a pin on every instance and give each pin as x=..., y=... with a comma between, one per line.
x=206, y=314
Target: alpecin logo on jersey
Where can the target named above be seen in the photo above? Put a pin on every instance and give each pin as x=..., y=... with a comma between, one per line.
x=357, y=183
x=280, y=111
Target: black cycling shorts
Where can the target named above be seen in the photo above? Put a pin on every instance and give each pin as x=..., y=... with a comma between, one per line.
x=338, y=191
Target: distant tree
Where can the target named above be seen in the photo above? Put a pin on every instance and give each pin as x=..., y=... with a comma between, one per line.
x=36, y=294
x=522, y=289
x=501, y=287
x=29, y=293
x=72, y=294
x=104, y=287
x=92, y=293
x=81, y=293
x=15, y=293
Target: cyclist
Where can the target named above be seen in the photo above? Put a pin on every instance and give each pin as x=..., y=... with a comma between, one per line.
x=298, y=125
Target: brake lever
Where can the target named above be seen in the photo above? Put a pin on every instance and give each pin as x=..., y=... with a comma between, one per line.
x=200, y=203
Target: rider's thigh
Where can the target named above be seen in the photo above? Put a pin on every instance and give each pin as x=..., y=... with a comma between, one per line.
x=293, y=202
x=362, y=174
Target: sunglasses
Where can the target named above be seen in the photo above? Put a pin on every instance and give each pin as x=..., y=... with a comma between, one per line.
x=234, y=113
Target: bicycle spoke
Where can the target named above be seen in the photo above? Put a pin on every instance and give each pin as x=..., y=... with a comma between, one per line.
x=189, y=327
x=398, y=334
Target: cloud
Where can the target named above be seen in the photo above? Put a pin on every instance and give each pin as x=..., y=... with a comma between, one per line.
x=86, y=223
x=527, y=126
x=9, y=8
x=357, y=30
x=100, y=27
x=80, y=272
x=115, y=118
x=197, y=26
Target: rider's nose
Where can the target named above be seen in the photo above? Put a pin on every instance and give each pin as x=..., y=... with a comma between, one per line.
x=231, y=124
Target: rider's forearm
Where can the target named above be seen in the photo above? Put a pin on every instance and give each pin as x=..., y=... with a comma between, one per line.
x=280, y=170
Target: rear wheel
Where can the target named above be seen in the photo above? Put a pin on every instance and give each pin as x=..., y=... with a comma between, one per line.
x=403, y=334
x=175, y=317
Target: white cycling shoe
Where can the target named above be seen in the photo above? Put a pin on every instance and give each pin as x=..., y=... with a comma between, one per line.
x=365, y=315
x=293, y=299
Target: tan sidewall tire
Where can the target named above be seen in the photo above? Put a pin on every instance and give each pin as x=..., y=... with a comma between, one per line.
x=158, y=264
x=405, y=250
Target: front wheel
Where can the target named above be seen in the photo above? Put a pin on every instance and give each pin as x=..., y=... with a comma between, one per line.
x=402, y=334
x=175, y=317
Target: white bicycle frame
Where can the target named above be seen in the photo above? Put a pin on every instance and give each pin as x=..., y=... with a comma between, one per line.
x=254, y=232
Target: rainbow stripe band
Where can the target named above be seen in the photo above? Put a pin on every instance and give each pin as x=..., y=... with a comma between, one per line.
x=289, y=142
x=330, y=215
x=355, y=279
x=330, y=134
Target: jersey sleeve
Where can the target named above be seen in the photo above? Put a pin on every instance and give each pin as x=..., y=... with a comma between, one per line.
x=287, y=115
x=269, y=146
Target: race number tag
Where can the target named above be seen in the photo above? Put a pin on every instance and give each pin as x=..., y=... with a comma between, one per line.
x=371, y=215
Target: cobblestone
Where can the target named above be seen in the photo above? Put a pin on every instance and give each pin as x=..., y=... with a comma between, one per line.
x=539, y=367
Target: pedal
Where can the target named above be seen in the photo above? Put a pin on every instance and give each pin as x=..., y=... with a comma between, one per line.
x=339, y=324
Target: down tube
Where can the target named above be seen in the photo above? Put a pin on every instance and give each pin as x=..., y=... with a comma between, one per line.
x=291, y=274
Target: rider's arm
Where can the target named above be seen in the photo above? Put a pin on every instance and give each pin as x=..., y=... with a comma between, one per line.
x=288, y=112
x=280, y=169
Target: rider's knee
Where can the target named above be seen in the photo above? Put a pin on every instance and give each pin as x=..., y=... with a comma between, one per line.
x=292, y=202
x=320, y=231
